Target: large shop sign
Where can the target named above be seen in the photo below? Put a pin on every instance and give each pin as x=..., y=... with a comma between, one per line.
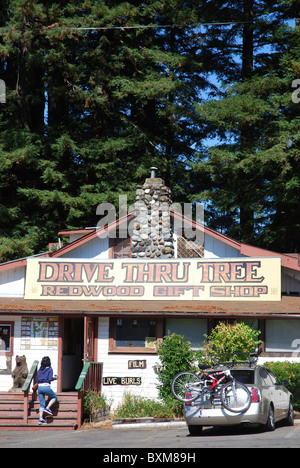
x=182, y=279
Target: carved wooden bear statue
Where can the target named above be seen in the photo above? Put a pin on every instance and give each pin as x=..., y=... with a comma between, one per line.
x=19, y=374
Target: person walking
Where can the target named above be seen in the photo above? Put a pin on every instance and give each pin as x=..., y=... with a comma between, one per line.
x=44, y=378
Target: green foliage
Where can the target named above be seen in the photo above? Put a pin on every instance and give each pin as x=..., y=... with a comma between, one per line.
x=93, y=402
x=250, y=171
x=137, y=407
x=285, y=370
x=227, y=339
x=175, y=356
x=89, y=111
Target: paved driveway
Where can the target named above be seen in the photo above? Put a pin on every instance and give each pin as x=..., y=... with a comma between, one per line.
x=175, y=438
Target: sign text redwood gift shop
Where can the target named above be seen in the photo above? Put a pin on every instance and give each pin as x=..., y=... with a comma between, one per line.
x=184, y=279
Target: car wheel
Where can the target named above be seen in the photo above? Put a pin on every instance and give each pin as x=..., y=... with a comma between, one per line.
x=270, y=425
x=195, y=430
x=290, y=417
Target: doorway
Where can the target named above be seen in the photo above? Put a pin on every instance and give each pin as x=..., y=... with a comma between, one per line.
x=72, y=352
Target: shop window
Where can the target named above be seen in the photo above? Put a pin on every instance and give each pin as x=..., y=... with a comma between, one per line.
x=6, y=346
x=134, y=335
x=193, y=330
x=6, y=338
x=252, y=323
x=282, y=336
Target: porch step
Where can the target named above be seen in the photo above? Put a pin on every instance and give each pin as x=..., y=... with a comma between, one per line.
x=12, y=412
x=36, y=427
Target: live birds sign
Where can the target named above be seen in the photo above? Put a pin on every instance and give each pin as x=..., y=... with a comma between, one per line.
x=250, y=279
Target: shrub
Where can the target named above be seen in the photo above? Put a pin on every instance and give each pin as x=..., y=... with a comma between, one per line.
x=175, y=356
x=285, y=370
x=93, y=402
x=228, y=339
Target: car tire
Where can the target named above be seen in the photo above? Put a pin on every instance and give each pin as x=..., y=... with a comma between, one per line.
x=195, y=430
x=290, y=418
x=270, y=425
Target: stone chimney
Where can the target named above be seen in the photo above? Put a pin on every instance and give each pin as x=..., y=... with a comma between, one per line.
x=152, y=235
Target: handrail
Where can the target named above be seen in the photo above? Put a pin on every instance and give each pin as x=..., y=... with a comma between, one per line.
x=30, y=376
x=89, y=379
x=81, y=378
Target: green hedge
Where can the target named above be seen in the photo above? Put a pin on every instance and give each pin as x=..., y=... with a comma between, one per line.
x=290, y=371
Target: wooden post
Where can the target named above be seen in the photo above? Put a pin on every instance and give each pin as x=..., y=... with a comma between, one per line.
x=79, y=408
x=25, y=409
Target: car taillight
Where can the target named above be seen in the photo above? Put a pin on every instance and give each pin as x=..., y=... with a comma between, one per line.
x=255, y=396
x=188, y=396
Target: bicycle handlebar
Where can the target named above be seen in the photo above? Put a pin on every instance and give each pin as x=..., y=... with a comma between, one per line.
x=252, y=358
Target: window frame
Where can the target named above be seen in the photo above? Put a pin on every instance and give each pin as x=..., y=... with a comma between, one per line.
x=188, y=338
x=9, y=352
x=137, y=350
x=114, y=243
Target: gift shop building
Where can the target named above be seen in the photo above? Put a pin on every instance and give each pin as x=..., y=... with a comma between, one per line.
x=113, y=292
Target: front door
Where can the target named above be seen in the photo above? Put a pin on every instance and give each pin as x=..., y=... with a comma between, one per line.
x=72, y=350
x=90, y=332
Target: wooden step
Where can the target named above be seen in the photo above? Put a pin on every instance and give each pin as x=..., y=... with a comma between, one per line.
x=12, y=412
x=36, y=427
x=11, y=396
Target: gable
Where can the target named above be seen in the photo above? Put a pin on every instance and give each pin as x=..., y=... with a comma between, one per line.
x=94, y=248
x=12, y=281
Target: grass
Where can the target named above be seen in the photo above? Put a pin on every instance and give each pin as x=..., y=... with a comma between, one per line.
x=138, y=407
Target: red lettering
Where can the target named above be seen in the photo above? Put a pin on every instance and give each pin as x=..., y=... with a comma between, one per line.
x=156, y=272
x=48, y=271
x=238, y=291
x=251, y=274
x=48, y=291
x=65, y=271
x=176, y=291
x=229, y=272
x=103, y=273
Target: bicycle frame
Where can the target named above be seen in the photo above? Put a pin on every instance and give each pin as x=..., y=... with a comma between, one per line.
x=216, y=381
x=188, y=386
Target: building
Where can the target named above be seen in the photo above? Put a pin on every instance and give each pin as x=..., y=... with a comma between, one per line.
x=114, y=291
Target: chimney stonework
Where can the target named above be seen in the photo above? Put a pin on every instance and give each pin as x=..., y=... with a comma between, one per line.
x=152, y=235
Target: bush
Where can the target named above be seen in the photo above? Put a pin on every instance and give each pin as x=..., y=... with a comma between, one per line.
x=94, y=402
x=139, y=407
x=228, y=339
x=285, y=370
x=175, y=356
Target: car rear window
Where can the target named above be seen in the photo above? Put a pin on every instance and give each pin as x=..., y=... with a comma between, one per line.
x=243, y=375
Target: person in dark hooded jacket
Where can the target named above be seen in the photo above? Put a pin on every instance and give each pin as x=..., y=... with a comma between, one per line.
x=44, y=378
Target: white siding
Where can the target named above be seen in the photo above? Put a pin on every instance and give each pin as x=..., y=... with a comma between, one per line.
x=290, y=281
x=214, y=248
x=116, y=365
x=96, y=248
x=12, y=282
x=6, y=381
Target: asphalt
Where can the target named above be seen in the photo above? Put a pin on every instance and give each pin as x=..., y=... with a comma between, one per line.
x=105, y=435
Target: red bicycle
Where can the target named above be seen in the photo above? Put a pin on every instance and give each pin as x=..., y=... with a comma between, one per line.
x=234, y=396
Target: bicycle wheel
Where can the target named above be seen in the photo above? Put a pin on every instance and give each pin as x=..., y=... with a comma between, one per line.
x=186, y=386
x=235, y=397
